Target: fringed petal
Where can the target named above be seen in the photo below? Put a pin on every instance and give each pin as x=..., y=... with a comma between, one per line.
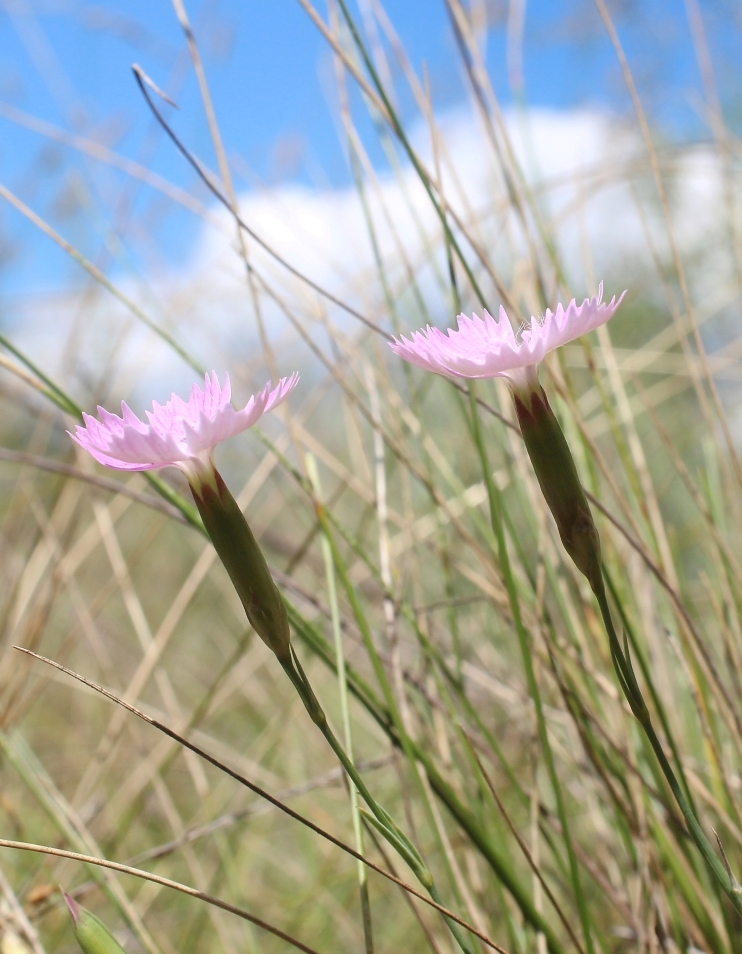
x=487, y=348
x=178, y=433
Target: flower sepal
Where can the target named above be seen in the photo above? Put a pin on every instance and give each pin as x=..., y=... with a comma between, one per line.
x=558, y=478
x=91, y=934
x=243, y=559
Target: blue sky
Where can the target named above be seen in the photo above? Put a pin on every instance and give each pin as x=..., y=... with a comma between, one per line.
x=272, y=83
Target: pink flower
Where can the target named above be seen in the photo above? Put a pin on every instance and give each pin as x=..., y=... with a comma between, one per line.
x=489, y=348
x=179, y=433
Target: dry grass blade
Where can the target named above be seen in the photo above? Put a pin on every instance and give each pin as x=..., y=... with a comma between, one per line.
x=263, y=794
x=209, y=183
x=163, y=882
x=102, y=483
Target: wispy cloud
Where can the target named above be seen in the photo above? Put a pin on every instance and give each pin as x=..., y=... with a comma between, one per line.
x=590, y=178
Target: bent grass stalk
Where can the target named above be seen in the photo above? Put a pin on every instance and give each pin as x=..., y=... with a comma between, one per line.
x=365, y=695
x=158, y=880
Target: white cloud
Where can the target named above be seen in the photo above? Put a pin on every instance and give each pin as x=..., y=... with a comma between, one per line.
x=587, y=172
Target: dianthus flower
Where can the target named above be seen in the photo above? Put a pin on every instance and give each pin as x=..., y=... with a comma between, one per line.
x=486, y=348
x=489, y=348
x=184, y=434
x=179, y=433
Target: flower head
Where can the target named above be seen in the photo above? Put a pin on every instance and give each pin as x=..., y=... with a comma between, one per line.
x=179, y=433
x=488, y=348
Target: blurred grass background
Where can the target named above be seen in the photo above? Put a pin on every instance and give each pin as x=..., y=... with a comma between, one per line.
x=629, y=173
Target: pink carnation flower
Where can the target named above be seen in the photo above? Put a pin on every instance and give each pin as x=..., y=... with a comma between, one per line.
x=490, y=348
x=179, y=433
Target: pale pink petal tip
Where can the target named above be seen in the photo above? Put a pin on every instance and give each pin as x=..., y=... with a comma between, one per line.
x=178, y=433
x=488, y=347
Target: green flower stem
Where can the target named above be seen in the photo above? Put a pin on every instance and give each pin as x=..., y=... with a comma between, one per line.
x=625, y=674
x=523, y=640
x=379, y=817
x=383, y=819
x=687, y=889
x=656, y=701
x=458, y=932
x=492, y=853
x=560, y=483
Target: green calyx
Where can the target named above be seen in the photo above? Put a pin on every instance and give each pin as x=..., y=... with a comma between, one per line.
x=238, y=550
x=92, y=935
x=557, y=476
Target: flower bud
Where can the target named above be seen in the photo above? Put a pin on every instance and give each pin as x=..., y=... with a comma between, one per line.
x=92, y=936
x=238, y=550
x=557, y=476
